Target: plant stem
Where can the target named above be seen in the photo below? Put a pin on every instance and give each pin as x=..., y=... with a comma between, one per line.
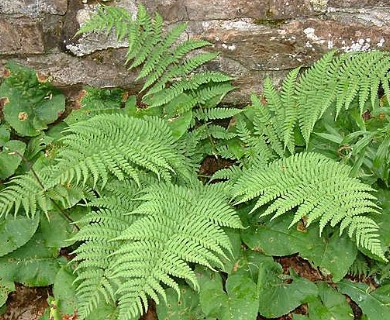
x=30, y=167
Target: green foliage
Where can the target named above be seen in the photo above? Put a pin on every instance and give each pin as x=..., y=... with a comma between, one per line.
x=333, y=82
x=329, y=305
x=96, y=101
x=128, y=253
x=185, y=308
x=32, y=264
x=275, y=238
x=320, y=189
x=11, y=157
x=374, y=303
x=122, y=183
x=14, y=233
x=238, y=302
x=278, y=297
x=167, y=68
x=30, y=103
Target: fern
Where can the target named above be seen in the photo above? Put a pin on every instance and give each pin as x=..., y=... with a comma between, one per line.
x=167, y=69
x=91, y=153
x=332, y=82
x=86, y=152
x=128, y=255
x=93, y=255
x=108, y=19
x=320, y=189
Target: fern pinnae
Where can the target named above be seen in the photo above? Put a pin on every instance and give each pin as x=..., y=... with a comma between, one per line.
x=318, y=187
x=175, y=71
x=151, y=36
x=310, y=81
x=162, y=53
x=179, y=225
x=107, y=19
x=290, y=105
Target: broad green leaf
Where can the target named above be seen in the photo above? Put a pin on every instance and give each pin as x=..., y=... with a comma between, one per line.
x=375, y=304
x=235, y=240
x=330, y=305
x=180, y=124
x=276, y=295
x=50, y=109
x=11, y=157
x=32, y=265
x=185, y=308
x=15, y=232
x=64, y=291
x=239, y=302
x=30, y=102
x=273, y=238
x=383, y=219
x=4, y=135
x=6, y=287
x=334, y=254
x=56, y=230
x=336, y=138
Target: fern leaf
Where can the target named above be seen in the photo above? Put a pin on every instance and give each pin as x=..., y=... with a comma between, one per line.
x=288, y=97
x=24, y=192
x=86, y=151
x=108, y=19
x=318, y=188
x=94, y=254
x=216, y=113
x=265, y=126
x=128, y=257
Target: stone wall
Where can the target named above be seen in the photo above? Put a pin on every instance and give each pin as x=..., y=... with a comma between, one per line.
x=256, y=38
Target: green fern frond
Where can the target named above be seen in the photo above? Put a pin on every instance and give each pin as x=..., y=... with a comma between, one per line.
x=266, y=127
x=168, y=59
x=94, y=254
x=99, y=147
x=216, y=113
x=319, y=189
x=255, y=147
x=289, y=101
x=27, y=193
x=179, y=70
x=219, y=132
x=108, y=19
x=128, y=257
x=359, y=267
x=338, y=81
x=168, y=70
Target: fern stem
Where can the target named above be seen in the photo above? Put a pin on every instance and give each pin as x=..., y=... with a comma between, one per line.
x=30, y=167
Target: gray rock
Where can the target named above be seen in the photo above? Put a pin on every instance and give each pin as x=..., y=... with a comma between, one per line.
x=21, y=36
x=33, y=7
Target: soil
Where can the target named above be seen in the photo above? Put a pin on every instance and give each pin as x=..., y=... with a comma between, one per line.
x=26, y=303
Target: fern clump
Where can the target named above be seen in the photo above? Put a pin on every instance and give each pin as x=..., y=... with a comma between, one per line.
x=332, y=82
x=320, y=189
x=93, y=151
x=131, y=175
x=131, y=255
x=168, y=65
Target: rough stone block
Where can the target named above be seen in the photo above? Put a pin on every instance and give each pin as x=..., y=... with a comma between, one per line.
x=292, y=9
x=20, y=36
x=358, y=3
x=175, y=10
x=33, y=7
